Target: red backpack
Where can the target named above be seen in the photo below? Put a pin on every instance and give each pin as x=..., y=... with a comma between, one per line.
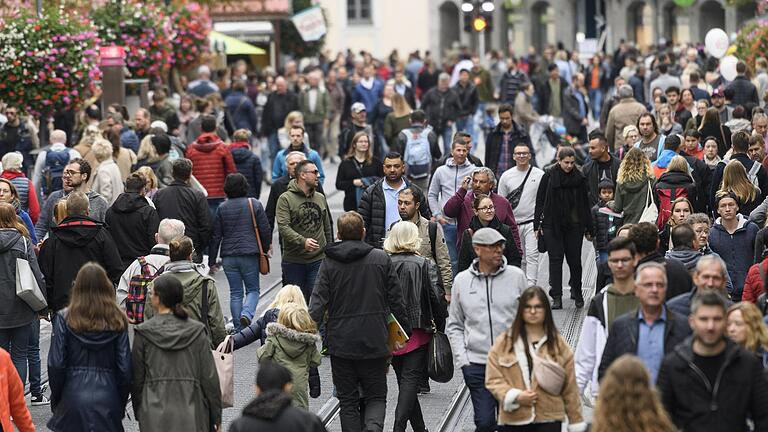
x=666, y=198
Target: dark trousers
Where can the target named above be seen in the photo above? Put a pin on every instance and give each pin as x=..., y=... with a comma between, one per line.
x=33, y=358
x=409, y=369
x=534, y=427
x=16, y=341
x=483, y=402
x=315, y=133
x=564, y=242
x=303, y=275
x=352, y=376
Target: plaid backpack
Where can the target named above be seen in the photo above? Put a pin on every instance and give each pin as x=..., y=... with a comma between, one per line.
x=137, y=291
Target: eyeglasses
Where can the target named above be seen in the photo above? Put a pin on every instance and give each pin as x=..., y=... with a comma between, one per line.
x=522, y=154
x=70, y=173
x=486, y=209
x=499, y=245
x=534, y=308
x=315, y=172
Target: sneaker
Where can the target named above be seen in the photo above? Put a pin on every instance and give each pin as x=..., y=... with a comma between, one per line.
x=38, y=400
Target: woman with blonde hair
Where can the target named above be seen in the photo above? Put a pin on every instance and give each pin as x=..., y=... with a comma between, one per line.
x=631, y=135
x=152, y=183
x=735, y=180
x=359, y=169
x=628, y=402
x=633, y=181
x=107, y=180
x=397, y=120
x=147, y=153
x=746, y=327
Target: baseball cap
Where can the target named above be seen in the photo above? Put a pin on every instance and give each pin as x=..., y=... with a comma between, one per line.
x=487, y=236
x=357, y=107
x=718, y=92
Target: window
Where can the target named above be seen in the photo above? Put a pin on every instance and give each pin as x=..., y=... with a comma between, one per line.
x=358, y=11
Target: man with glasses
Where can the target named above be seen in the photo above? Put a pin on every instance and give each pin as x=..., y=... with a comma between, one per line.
x=305, y=227
x=17, y=135
x=281, y=185
x=614, y=300
x=483, y=305
x=520, y=185
x=74, y=179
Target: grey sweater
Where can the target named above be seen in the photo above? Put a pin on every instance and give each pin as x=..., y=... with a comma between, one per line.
x=98, y=209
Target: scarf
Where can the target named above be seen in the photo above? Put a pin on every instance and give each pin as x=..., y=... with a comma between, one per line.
x=564, y=189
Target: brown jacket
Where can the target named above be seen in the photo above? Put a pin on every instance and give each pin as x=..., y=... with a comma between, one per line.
x=507, y=375
x=623, y=114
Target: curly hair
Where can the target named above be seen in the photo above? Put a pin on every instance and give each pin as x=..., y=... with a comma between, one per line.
x=757, y=333
x=635, y=167
x=627, y=403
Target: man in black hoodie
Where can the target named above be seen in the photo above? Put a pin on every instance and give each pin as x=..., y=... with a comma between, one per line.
x=77, y=240
x=357, y=287
x=645, y=236
x=132, y=222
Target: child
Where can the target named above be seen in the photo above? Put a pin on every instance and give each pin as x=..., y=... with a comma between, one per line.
x=257, y=330
x=710, y=153
x=292, y=342
x=605, y=224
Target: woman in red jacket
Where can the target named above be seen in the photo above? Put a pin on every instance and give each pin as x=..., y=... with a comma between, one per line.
x=12, y=403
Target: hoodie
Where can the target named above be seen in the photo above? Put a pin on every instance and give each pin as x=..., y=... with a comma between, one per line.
x=300, y=217
x=211, y=163
x=132, y=222
x=482, y=308
x=445, y=181
x=631, y=198
x=272, y=411
x=687, y=256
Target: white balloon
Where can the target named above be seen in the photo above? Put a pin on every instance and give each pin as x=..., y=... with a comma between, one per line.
x=728, y=67
x=716, y=42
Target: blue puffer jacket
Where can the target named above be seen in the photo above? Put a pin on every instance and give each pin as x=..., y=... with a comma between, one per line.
x=233, y=229
x=90, y=378
x=257, y=330
x=249, y=165
x=737, y=250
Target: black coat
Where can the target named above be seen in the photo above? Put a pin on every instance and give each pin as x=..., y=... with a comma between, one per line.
x=441, y=107
x=74, y=242
x=625, y=330
x=743, y=91
x=605, y=229
x=694, y=404
x=468, y=99
x=762, y=181
x=348, y=172
x=278, y=187
x=373, y=210
x=357, y=287
x=571, y=116
x=249, y=165
x=257, y=330
x=702, y=177
x=276, y=109
x=548, y=208
x=545, y=94
x=467, y=252
x=90, y=378
x=132, y=223
x=421, y=294
x=592, y=170
x=273, y=412
x=180, y=201
x=496, y=139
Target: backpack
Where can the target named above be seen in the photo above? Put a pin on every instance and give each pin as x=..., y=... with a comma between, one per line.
x=137, y=291
x=55, y=161
x=666, y=197
x=752, y=175
x=417, y=156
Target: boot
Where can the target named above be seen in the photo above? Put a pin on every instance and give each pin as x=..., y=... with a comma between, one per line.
x=557, y=303
x=579, y=303
x=314, y=383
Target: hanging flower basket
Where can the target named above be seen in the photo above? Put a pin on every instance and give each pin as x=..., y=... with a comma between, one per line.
x=752, y=41
x=190, y=25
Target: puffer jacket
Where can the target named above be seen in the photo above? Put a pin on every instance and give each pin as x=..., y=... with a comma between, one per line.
x=754, y=285
x=132, y=223
x=676, y=180
x=373, y=210
x=296, y=351
x=14, y=312
x=175, y=384
x=737, y=250
x=508, y=374
x=631, y=199
x=13, y=409
x=467, y=252
x=90, y=378
x=418, y=281
x=211, y=163
x=233, y=229
x=272, y=411
x=605, y=227
x=249, y=165
x=257, y=330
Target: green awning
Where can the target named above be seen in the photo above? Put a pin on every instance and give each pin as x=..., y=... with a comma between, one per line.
x=232, y=45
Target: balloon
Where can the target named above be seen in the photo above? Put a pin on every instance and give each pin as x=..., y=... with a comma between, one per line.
x=728, y=67
x=716, y=42
x=684, y=3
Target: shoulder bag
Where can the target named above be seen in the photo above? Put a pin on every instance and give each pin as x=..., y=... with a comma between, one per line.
x=223, y=357
x=440, y=361
x=549, y=374
x=651, y=212
x=514, y=196
x=27, y=288
x=263, y=258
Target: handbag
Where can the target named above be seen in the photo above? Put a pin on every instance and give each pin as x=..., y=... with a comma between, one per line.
x=263, y=259
x=549, y=375
x=514, y=196
x=225, y=368
x=440, y=355
x=651, y=212
x=27, y=288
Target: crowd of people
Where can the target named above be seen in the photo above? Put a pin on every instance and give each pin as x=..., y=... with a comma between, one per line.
x=660, y=167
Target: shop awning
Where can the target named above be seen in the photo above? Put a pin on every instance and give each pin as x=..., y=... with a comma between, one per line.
x=231, y=45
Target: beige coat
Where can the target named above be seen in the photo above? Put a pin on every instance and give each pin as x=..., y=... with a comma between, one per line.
x=107, y=181
x=507, y=375
x=524, y=114
x=125, y=161
x=623, y=114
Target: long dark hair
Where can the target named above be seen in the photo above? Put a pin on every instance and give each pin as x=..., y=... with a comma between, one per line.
x=518, y=326
x=92, y=303
x=170, y=292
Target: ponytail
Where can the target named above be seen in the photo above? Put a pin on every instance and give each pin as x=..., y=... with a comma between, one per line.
x=179, y=311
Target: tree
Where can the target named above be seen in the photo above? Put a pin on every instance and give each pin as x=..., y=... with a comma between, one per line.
x=290, y=39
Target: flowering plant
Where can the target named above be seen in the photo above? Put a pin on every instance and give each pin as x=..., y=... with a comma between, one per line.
x=143, y=29
x=46, y=63
x=752, y=41
x=191, y=25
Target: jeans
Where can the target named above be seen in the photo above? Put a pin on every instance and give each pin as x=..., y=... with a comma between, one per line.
x=16, y=341
x=447, y=134
x=534, y=427
x=370, y=376
x=242, y=271
x=530, y=252
x=303, y=275
x=409, y=369
x=596, y=98
x=467, y=124
x=479, y=119
x=449, y=231
x=274, y=147
x=566, y=242
x=33, y=358
x=483, y=402
x=602, y=256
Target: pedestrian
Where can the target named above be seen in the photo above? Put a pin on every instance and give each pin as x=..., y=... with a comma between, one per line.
x=271, y=410
x=396, y=121
x=501, y=142
x=10, y=195
x=211, y=162
x=357, y=288
x=175, y=384
x=645, y=236
x=246, y=161
x=107, y=180
x=304, y=221
x=679, y=210
x=164, y=111
x=358, y=170
x=562, y=218
x=442, y=107
x=132, y=221
x=420, y=149
x=651, y=139
x=380, y=112
x=708, y=382
x=524, y=114
x=633, y=185
x=711, y=125
x=18, y=133
x=746, y=327
x=315, y=104
x=710, y=274
x=630, y=136
x=603, y=165
x=257, y=329
x=201, y=298
x=240, y=111
x=652, y=330
x=485, y=314
x=682, y=242
x=485, y=216
x=427, y=311
x=297, y=143
x=234, y=231
x=13, y=410
x=528, y=401
x=606, y=225
x=629, y=402
x=11, y=164
x=179, y=200
x=280, y=185
x=736, y=180
x=89, y=361
x=357, y=123
x=550, y=92
x=469, y=100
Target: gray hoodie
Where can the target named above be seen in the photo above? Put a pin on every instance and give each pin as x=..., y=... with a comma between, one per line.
x=482, y=308
x=445, y=182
